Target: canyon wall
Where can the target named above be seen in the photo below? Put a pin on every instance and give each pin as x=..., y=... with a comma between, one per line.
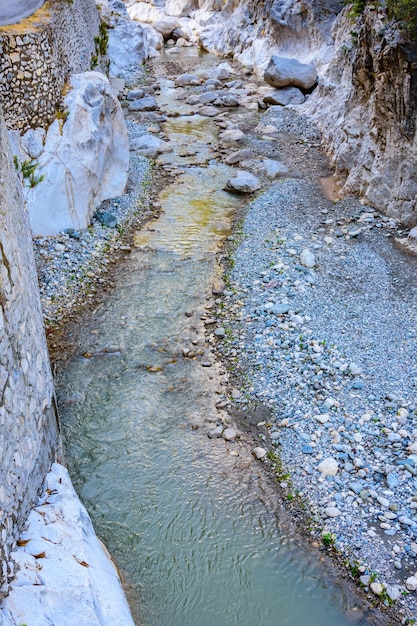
x=28, y=421
x=37, y=56
x=366, y=106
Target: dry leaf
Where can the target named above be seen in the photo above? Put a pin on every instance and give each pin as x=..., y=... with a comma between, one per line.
x=22, y=542
x=83, y=563
x=41, y=555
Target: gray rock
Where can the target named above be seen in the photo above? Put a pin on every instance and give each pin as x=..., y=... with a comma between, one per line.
x=216, y=432
x=272, y=169
x=283, y=72
x=238, y=157
x=187, y=79
x=107, y=219
x=280, y=309
x=148, y=103
x=135, y=94
x=285, y=96
x=229, y=434
x=244, y=182
x=149, y=146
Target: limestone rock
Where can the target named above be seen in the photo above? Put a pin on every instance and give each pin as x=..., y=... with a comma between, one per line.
x=149, y=146
x=224, y=71
x=239, y=156
x=148, y=103
x=283, y=72
x=229, y=434
x=32, y=142
x=154, y=39
x=307, y=258
x=259, y=453
x=285, y=96
x=272, y=169
x=328, y=467
x=84, y=161
x=244, y=182
x=166, y=25
x=128, y=45
x=232, y=134
x=187, y=79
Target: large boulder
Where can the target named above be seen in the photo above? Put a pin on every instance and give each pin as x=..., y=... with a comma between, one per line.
x=85, y=159
x=128, y=46
x=283, y=72
x=166, y=26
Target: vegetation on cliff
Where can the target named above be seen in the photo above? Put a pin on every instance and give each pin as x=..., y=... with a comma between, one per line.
x=404, y=12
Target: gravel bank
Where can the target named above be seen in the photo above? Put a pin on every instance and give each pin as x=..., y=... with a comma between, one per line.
x=328, y=341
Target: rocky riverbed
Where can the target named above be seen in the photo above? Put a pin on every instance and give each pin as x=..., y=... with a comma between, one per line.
x=316, y=316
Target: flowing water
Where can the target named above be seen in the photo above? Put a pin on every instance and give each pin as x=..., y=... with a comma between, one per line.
x=194, y=526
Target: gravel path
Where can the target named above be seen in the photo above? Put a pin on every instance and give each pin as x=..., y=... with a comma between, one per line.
x=331, y=349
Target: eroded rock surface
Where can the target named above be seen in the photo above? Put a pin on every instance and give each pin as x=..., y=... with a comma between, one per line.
x=84, y=160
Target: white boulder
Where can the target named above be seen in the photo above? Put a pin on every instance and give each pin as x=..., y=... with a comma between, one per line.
x=128, y=45
x=85, y=159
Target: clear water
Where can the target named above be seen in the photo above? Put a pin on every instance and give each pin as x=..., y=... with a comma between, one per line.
x=197, y=532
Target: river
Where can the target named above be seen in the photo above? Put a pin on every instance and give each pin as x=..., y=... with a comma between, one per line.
x=194, y=524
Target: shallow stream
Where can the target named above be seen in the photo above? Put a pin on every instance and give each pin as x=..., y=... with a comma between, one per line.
x=193, y=523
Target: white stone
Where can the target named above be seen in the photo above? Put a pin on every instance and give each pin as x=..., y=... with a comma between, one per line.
x=272, y=169
x=149, y=146
x=411, y=583
x=376, y=588
x=155, y=40
x=166, y=25
x=307, y=258
x=32, y=142
x=128, y=45
x=332, y=511
x=322, y=418
x=393, y=592
x=232, y=134
x=259, y=453
x=85, y=160
x=328, y=467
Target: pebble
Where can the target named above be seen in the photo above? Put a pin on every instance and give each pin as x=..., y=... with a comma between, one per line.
x=229, y=434
x=307, y=258
x=259, y=453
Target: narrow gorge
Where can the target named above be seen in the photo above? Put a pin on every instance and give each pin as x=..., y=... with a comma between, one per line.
x=218, y=199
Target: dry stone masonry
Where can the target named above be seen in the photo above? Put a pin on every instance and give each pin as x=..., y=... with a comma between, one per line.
x=28, y=425
x=37, y=56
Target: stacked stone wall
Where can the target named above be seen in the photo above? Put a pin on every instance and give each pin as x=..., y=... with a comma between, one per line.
x=37, y=56
x=28, y=422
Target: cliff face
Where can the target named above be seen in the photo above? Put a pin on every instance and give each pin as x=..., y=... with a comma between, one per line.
x=27, y=410
x=366, y=105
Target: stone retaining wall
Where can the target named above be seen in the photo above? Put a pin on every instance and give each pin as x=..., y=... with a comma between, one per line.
x=28, y=422
x=37, y=55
